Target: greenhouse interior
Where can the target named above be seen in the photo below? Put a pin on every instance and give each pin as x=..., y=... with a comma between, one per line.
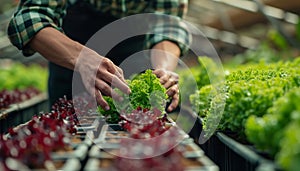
x=153, y=85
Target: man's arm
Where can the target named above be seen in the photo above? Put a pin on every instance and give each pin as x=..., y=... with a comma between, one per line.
x=164, y=58
x=97, y=72
x=168, y=40
x=36, y=26
x=56, y=47
x=165, y=55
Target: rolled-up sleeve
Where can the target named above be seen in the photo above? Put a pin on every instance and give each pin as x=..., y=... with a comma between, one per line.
x=32, y=16
x=174, y=29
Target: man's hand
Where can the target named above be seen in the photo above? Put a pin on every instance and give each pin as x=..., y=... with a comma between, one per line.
x=170, y=81
x=164, y=58
x=99, y=75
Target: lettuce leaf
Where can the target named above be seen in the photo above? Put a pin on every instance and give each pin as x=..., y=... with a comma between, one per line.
x=146, y=92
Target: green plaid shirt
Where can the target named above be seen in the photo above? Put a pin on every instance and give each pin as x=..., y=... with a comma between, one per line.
x=33, y=15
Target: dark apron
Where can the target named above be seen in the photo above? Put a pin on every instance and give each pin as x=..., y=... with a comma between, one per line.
x=80, y=23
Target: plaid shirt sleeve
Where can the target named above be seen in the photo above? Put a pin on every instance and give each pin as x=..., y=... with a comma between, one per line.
x=175, y=30
x=32, y=16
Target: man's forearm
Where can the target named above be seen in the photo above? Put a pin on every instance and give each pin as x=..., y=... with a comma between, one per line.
x=98, y=73
x=56, y=47
x=166, y=56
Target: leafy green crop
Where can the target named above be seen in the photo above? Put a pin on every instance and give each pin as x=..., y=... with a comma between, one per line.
x=187, y=83
x=112, y=115
x=201, y=100
x=146, y=92
x=248, y=91
x=262, y=103
x=289, y=155
x=206, y=73
x=18, y=76
x=278, y=131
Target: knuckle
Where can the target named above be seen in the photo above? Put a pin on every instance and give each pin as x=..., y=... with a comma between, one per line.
x=106, y=62
x=174, y=89
x=164, y=78
x=120, y=70
x=114, y=79
x=159, y=72
x=171, y=92
x=101, y=86
x=106, y=89
x=100, y=71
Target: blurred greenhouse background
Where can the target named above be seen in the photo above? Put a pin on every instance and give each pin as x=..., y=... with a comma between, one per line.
x=233, y=26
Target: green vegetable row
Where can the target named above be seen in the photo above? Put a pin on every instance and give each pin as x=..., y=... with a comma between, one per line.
x=196, y=77
x=19, y=76
x=258, y=102
x=277, y=132
x=248, y=91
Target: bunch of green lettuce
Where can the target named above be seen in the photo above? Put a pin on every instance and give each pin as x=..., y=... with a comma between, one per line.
x=277, y=132
x=146, y=92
